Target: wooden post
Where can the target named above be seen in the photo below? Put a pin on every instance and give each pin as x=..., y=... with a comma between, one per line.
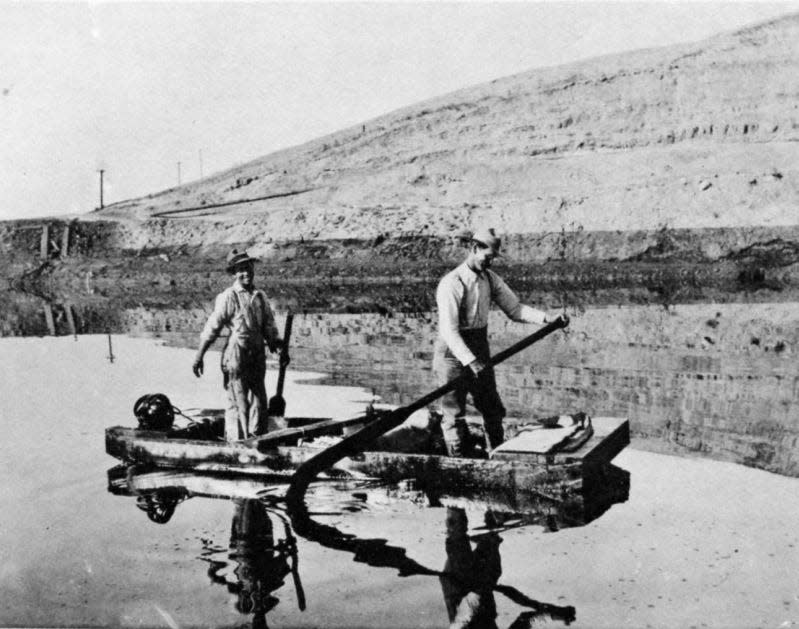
x=44, y=248
x=65, y=241
x=48, y=317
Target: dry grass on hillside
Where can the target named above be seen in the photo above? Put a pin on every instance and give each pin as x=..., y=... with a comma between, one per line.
x=688, y=136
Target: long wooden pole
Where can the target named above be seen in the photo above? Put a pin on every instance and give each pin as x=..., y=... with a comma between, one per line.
x=268, y=442
x=358, y=440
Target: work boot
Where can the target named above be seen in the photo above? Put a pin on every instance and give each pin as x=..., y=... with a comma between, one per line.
x=456, y=437
x=495, y=435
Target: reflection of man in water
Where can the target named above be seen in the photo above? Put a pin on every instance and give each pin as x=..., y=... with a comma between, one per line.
x=261, y=567
x=245, y=311
x=470, y=575
x=464, y=297
x=470, y=578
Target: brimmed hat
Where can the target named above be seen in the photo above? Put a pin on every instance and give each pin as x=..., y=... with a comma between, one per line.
x=234, y=258
x=488, y=238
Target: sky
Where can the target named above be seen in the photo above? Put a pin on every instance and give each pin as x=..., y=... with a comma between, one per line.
x=160, y=93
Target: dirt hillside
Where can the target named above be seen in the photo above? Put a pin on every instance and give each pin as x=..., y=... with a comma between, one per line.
x=693, y=136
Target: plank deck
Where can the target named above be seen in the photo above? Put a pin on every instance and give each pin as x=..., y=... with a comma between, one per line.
x=611, y=436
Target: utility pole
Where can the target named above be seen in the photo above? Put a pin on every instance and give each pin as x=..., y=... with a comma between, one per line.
x=101, y=171
x=178, y=173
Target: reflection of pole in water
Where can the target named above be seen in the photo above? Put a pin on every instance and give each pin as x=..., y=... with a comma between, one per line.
x=110, y=350
x=73, y=330
x=49, y=319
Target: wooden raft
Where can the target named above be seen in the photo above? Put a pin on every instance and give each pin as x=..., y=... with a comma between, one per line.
x=571, y=487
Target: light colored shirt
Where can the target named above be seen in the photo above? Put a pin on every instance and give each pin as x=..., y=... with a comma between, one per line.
x=464, y=299
x=246, y=313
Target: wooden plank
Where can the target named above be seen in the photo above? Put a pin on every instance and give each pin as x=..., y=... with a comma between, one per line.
x=607, y=445
x=65, y=241
x=44, y=244
x=153, y=448
x=611, y=436
x=207, y=485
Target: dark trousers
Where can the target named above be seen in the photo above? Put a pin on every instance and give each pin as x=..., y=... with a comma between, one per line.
x=483, y=390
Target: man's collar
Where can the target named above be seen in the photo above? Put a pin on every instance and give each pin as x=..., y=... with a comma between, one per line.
x=472, y=271
x=240, y=289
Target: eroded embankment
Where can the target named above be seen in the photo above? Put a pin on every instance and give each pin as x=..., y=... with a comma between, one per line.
x=166, y=262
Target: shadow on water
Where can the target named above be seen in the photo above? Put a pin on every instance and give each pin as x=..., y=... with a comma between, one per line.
x=468, y=579
x=262, y=552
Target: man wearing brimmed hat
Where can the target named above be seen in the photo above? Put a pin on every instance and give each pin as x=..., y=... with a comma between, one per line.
x=244, y=310
x=464, y=297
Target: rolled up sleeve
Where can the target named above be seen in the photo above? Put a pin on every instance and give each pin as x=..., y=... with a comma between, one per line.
x=509, y=303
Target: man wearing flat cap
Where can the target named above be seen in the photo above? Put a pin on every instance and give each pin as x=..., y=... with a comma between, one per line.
x=464, y=297
x=245, y=311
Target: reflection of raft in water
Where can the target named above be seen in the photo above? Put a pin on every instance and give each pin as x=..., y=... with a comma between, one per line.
x=562, y=471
